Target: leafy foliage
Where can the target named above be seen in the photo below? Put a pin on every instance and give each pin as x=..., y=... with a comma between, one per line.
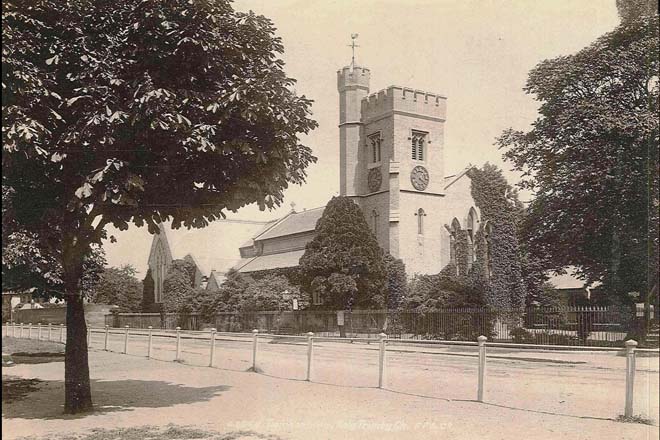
x=106, y=103
x=344, y=262
x=500, y=207
x=118, y=286
x=397, y=283
x=428, y=293
x=591, y=157
x=178, y=288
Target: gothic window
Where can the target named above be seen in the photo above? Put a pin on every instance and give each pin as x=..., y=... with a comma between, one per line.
x=471, y=229
x=488, y=232
x=374, y=222
x=420, y=221
x=453, y=239
x=418, y=145
x=374, y=144
x=316, y=298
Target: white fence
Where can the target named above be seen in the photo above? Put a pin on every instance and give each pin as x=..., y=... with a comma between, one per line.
x=57, y=333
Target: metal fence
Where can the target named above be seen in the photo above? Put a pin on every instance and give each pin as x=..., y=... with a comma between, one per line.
x=599, y=326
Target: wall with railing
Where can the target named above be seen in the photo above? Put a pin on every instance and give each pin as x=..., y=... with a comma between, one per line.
x=580, y=326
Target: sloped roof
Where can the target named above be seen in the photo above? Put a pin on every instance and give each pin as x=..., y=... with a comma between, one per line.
x=213, y=247
x=455, y=177
x=272, y=261
x=570, y=281
x=267, y=226
x=293, y=223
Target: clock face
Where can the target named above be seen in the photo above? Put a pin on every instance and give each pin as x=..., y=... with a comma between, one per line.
x=374, y=179
x=419, y=178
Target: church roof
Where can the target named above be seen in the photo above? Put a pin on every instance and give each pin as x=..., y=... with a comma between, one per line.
x=293, y=223
x=455, y=177
x=272, y=261
x=213, y=247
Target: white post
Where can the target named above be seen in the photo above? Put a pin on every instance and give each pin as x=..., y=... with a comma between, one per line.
x=310, y=354
x=212, y=354
x=381, y=360
x=13, y=332
x=178, y=343
x=630, y=376
x=255, y=336
x=29, y=330
x=39, y=332
x=21, y=329
x=50, y=331
x=481, y=341
x=149, y=343
x=89, y=336
x=105, y=339
x=126, y=340
x=61, y=333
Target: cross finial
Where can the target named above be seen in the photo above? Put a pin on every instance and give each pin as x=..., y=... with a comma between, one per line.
x=353, y=46
x=293, y=206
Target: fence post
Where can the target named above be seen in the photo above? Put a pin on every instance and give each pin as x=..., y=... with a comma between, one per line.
x=21, y=329
x=105, y=340
x=481, y=341
x=178, y=343
x=630, y=376
x=212, y=354
x=126, y=340
x=29, y=330
x=50, y=331
x=310, y=354
x=149, y=343
x=39, y=332
x=61, y=333
x=381, y=360
x=255, y=336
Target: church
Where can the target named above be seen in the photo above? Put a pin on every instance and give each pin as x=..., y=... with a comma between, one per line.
x=391, y=147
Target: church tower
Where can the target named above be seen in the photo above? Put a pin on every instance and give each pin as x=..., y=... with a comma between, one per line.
x=392, y=165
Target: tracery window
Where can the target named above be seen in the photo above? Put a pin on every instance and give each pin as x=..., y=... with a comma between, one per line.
x=418, y=145
x=374, y=144
x=471, y=229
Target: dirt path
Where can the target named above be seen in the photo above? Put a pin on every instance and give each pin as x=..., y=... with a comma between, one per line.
x=428, y=396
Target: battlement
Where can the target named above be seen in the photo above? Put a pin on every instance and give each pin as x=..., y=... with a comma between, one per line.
x=353, y=77
x=406, y=100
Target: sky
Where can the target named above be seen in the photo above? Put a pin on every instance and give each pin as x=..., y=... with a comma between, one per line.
x=476, y=52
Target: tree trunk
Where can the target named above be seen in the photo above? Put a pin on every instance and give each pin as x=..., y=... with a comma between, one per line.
x=77, y=391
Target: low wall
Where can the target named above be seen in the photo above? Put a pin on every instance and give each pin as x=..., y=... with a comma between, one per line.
x=94, y=315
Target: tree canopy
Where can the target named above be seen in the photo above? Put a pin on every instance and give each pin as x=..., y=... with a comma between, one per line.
x=124, y=111
x=118, y=286
x=591, y=157
x=344, y=263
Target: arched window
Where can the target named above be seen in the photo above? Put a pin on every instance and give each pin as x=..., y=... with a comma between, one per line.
x=420, y=221
x=471, y=232
x=418, y=145
x=374, y=222
x=488, y=263
x=453, y=254
x=376, y=149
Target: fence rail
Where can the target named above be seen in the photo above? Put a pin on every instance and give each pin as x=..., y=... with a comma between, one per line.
x=571, y=326
x=210, y=337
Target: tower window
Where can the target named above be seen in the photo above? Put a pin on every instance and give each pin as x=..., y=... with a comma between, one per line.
x=420, y=221
x=374, y=219
x=418, y=145
x=374, y=144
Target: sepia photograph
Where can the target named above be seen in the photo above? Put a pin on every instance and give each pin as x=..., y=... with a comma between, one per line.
x=330, y=219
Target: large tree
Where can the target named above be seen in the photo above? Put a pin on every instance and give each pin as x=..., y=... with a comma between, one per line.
x=125, y=111
x=118, y=286
x=344, y=263
x=591, y=157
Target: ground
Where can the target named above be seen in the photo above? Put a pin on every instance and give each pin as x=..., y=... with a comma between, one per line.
x=430, y=393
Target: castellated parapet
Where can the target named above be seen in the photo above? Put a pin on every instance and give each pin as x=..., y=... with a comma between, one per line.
x=404, y=100
x=355, y=77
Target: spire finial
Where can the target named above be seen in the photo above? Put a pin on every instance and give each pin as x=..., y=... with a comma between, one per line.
x=293, y=206
x=353, y=46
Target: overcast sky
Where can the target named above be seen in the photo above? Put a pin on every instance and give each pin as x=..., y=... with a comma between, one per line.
x=477, y=53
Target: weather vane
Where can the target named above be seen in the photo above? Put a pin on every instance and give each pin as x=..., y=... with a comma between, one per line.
x=353, y=46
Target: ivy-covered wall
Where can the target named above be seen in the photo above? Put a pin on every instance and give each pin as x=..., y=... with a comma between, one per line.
x=500, y=207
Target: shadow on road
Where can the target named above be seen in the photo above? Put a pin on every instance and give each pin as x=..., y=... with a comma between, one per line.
x=36, y=399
